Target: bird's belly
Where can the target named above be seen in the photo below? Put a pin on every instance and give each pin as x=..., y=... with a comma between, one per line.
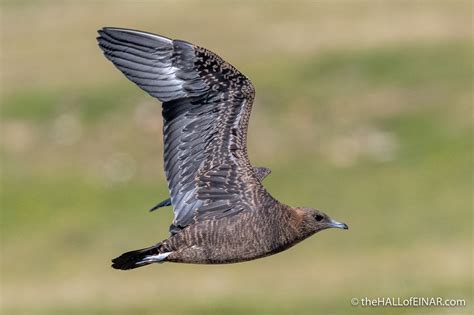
x=230, y=250
x=200, y=255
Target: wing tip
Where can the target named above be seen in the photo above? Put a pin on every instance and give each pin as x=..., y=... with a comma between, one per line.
x=112, y=30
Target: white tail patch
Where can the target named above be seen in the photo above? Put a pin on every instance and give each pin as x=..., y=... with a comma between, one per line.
x=153, y=259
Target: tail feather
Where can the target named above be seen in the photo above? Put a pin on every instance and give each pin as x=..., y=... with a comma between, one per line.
x=138, y=258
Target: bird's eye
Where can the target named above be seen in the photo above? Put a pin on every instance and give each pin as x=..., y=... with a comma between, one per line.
x=319, y=217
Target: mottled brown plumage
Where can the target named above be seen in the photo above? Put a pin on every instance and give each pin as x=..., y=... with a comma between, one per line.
x=222, y=212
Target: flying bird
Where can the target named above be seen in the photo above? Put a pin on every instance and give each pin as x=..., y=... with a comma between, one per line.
x=222, y=212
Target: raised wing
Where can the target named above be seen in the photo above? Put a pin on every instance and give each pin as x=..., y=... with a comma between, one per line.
x=206, y=108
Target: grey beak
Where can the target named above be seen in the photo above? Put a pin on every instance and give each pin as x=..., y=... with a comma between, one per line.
x=338, y=225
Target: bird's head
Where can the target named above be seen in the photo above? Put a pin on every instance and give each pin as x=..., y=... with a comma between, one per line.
x=313, y=221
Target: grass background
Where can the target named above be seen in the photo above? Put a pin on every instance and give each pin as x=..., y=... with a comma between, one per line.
x=363, y=109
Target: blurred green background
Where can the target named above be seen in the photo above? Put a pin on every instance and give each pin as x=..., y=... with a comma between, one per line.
x=363, y=109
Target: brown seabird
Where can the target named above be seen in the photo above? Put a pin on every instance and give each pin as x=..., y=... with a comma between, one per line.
x=222, y=212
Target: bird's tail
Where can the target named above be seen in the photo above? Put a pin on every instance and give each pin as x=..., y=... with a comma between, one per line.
x=140, y=257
